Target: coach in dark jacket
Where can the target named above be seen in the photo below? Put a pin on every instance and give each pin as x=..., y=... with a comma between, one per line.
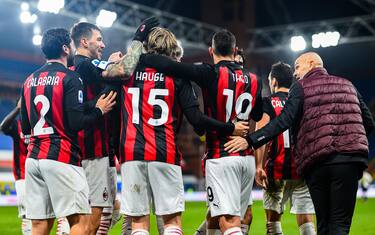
x=330, y=124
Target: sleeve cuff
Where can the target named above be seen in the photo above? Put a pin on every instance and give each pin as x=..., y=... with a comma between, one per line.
x=255, y=141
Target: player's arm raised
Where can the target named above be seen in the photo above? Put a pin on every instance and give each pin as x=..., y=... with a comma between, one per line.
x=125, y=65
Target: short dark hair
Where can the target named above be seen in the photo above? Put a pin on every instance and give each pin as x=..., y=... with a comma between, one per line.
x=53, y=40
x=241, y=53
x=82, y=29
x=223, y=43
x=283, y=74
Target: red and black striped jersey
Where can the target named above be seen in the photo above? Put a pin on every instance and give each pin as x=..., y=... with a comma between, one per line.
x=48, y=95
x=151, y=105
x=230, y=97
x=93, y=140
x=20, y=142
x=280, y=163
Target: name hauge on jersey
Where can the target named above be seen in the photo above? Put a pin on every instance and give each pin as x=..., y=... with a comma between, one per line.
x=145, y=76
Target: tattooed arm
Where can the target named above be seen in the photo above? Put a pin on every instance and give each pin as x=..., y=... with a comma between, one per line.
x=125, y=67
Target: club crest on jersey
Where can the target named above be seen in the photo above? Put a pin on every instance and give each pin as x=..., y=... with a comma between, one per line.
x=105, y=194
x=80, y=96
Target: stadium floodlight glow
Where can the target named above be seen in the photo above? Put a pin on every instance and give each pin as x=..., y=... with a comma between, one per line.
x=27, y=18
x=326, y=39
x=36, y=29
x=106, y=18
x=51, y=6
x=83, y=19
x=25, y=6
x=37, y=39
x=297, y=43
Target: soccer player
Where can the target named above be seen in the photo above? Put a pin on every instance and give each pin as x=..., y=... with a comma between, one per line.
x=94, y=141
x=52, y=112
x=230, y=94
x=149, y=155
x=247, y=219
x=11, y=126
x=279, y=176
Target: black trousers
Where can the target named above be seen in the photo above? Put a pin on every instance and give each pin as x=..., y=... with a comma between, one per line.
x=333, y=190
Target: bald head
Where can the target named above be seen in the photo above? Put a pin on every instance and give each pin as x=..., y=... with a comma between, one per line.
x=306, y=62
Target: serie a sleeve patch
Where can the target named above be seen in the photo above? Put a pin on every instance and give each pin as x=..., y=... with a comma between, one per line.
x=102, y=64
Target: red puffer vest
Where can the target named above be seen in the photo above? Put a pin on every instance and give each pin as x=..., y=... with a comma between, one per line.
x=331, y=122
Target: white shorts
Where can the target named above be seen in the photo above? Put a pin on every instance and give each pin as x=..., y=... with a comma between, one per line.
x=113, y=175
x=229, y=181
x=294, y=190
x=145, y=182
x=99, y=177
x=20, y=190
x=55, y=189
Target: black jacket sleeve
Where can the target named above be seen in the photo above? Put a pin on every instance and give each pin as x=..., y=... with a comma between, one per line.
x=25, y=122
x=78, y=119
x=289, y=116
x=367, y=118
x=190, y=107
x=202, y=74
x=257, y=112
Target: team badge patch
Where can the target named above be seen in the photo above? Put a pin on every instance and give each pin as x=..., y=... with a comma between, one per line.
x=105, y=194
x=102, y=64
x=95, y=62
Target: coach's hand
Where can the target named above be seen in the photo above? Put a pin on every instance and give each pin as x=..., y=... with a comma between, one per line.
x=241, y=128
x=106, y=103
x=236, y=144
x=261, y=178
x=145, y=28
x=115, y=57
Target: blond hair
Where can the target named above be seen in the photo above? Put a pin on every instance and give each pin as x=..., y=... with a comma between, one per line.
x=161, y=41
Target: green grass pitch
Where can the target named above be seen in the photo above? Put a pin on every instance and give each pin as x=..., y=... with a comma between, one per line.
x=363, y=220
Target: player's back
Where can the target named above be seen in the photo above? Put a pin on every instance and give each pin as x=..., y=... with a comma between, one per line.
x=280, y=163
x=230, y=98
x=44, y=94
x=149, y=112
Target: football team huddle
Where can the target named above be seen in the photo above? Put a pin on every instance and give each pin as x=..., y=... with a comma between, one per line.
x=80, y=114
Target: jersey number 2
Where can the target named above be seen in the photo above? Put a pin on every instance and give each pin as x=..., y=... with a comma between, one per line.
x=39, y=128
